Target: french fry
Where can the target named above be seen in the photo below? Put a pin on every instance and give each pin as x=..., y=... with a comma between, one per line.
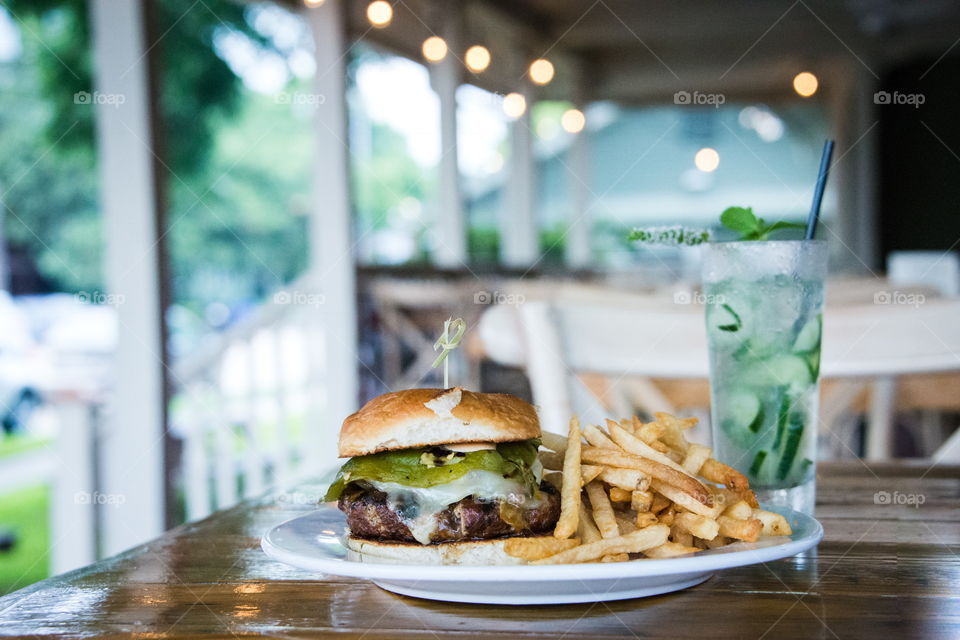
x=774, y=524
x=660, y=502
x=640, y=501
x=602, y=510
x=711, y=508
x=719, y=541
x=538, y=548
x=739, y=511
x=554, y=441
x=638, y=447
x=651, y=432
x=696, y=455
x=598, y=438
x=589, y=472
x=636, y=542
x=570, y=489
x=667, y=515
x=747, y=530
x=729, y=496
x=697, y=525
x=645, y=519
x=670, y=550
x=620, y=495
x=674, y=428
x=615, y=557
x=551, y=460
x=679, y=536
x=629, y=479
x=625, y=523
x=586, y=529
x=722, y=474
x=688, y=485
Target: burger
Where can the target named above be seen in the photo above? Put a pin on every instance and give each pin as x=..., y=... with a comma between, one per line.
x=442, y=476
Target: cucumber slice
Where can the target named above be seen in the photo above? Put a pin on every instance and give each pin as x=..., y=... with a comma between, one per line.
x=757, y=463
x=790, y=447
x=809, y=337
x=813, y=363
x=745, y=410
x=783, y=413
x=786, y=370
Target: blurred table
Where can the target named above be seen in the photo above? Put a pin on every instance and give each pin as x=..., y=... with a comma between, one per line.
x=883, y=570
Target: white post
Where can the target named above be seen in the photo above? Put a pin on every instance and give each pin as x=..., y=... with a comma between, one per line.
x=73, y=494
x=855, y=165
x=578, y=254
x=519, y=237
x=132, y=453
x=331, y=244
x=445, y=77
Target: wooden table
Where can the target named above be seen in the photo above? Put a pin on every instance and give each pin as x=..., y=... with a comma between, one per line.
x=885, y=571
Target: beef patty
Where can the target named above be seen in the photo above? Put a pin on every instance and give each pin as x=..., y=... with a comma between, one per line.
x=370, y=516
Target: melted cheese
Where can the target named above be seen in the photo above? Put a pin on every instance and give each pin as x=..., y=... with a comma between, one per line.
x=418, y=507
x=469, y=447
x=443, y=405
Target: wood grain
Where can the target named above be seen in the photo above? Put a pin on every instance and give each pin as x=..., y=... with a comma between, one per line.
x=883, y=569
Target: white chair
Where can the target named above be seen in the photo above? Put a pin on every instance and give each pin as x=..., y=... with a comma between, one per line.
x=556, y=340
x=937, y=269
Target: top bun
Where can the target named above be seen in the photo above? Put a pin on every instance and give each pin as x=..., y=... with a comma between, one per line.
x=427, y=417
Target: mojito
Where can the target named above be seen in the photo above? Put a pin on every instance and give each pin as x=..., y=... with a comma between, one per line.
x=764, y=319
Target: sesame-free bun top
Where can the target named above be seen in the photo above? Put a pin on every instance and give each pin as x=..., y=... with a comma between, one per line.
x=427, y=417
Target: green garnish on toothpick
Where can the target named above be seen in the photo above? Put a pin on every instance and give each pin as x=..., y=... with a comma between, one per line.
x=448, y=343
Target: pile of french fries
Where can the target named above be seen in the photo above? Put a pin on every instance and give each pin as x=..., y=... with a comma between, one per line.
x=641, y=488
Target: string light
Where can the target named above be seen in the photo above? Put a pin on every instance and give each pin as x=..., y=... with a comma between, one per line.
x=541, y=71
x=477, y=58
x=434, y=49
x=573, y=121
x=805, y=84
x=514, y=105
x=379, y=13
x=707, y=160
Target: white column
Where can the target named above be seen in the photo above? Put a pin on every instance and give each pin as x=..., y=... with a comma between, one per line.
x=132, y=447
x=855, y=170
x=72, y=508
x=577, y=250
x=519, y=238
x=331, y=244
x=451, y=228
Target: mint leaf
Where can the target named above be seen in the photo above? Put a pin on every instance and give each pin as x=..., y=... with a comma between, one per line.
x=741, y=220
x=776, y=226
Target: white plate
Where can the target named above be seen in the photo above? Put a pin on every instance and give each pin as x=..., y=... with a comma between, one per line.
x=315, y=542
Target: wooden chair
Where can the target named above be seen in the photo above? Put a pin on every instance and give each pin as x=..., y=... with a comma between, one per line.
x=560, y=340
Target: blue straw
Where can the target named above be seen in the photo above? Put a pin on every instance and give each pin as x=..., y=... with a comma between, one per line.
x=814, y=216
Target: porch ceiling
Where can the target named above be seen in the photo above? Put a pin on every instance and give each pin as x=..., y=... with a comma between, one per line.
x=644, y=51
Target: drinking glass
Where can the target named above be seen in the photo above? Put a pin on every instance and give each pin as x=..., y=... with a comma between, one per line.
x=764, y=315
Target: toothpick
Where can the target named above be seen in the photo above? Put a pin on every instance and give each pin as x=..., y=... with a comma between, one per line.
x=448, y=344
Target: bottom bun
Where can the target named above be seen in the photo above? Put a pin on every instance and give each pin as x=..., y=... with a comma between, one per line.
x=472, y=552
